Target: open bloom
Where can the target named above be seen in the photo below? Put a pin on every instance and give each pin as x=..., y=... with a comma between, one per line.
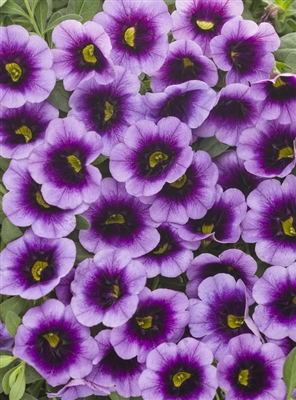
x=179, y=371
x=25, y=73
x=54, y=343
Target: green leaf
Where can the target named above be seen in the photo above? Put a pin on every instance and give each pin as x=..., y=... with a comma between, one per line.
x=82, y=223
x=60, y=19
x=285, y=4
x=10, y=7
x=86, y=8
x=40, y=14
x=4, y=163
x=5, y=381
x=31, y=374
x=10, y=232
x=2, y=2
x=6, y=360
x=99, y=160
x=59, y=97
x=35, y=388
x=19, y=386
x=27, y=396
x=12, y=322
x=81, y=253
x=15, y=304
x=290, y=371
x=211, y=145
x=287, y=50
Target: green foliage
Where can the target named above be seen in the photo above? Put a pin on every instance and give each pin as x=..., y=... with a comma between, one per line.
x=85, y=8
x=12, y=322
x=211, y=145
x=287, y=51
x=59, y=97
x=82, y=223
x=16, y=304
x=6, y=360
x=285, y=4
x=290, y=372
x=9, y=232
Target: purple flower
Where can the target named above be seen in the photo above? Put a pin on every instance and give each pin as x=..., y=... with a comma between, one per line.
x=271, y=221
x=6, y=340
x=105, y=289
x=277, y=98
x=77, y=388
x=152, y=155
x=275, y=293
x=160, y=317
x=185, y=62
x=63, y=290
x=235, y=111
x=251, y=370
x=32, y=266
x=269, y=149
x=82, y=52
x=119, y=220
x=138, y=33
x=220, y=312
x=54, y=343
x=179, y=371
x=244, y=50
x=62, y=164
x=190, y=101
x=24, y=204
x=21, y=129
x=233, y=262
x=201, y=20
x=25, y=73
x=108, y=109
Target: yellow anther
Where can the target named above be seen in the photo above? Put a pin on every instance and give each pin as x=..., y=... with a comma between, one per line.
x=279, y=82
x=205, y=25
x=129, y=36
x=37, y=269
x=243, y=377
x=207, y=228
x=145, y=323
x=234, y=321
x=25, y=131
x=115, y=219
x=14, y=71
x=115, y=291
x=109, y=111
x=41, y=201
x=187, y=62
x=52, y=339
x=180, y=377
x=161, y=249
x=286, y=152
x=179, y=183
x=157, y=157
x=288, y=228
x=74, y=162
x=88, y=54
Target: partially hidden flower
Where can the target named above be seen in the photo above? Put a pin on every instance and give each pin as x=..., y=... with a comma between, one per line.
x=6, y=340
x=77, y=388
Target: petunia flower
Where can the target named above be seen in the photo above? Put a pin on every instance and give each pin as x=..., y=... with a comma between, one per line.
x=119, y=220
x=269, y=149
x=32, y=266
x=179, y=371
x=184, y=62
x=271, y=221
x=52, y=341
x=244, y=49
x=25, y=67
x=77, y=388
x=82, y=52
x=21, y=129
x=61, y=164
x=6, y=340
x=105, y=288
x=152, y=155
x=160, y=317
x=63, y=288
x=108, y=109
x=138, y=33
x=201, y=20
x=251, y=369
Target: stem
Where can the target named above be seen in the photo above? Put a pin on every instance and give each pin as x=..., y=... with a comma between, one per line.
x=32, y=19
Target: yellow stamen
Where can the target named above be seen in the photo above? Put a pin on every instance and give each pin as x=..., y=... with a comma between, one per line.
x=129, y=36
x=294, y=300
x=74, y=162
x=14, y=71
x=235, y=322
x=205, y=25
x=37, y=269
x=288, y=228
x=156, y=158
x=52, y=339
x=187, y=62
x=115, y=219
x=108, y=112
x=88, y=54
x=145, y=323
x=115, y=291
x=25, y=131
x=233, y=54
x=180, y=377
x=279, y=82
x=161, y=249
x=207, y=228
x=41, y=201
x=179, y=183
x=286, y=152
x=243, y=377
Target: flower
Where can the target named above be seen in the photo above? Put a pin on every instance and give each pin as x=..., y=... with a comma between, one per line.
x=52, y=341
x=179, y=371
x=25, y=73
x=77, y=388
x=251, y=369
x=32, y=266
x=6, y=340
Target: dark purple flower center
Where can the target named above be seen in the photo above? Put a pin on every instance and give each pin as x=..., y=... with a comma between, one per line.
x=155, y=158
x=236, y=110
x=182, y=378
x=104, y=109
x=243, y=55
x=183, y=69
x=217, y=268
x=137, y=36
x=282, y=90
x=89, y=57
x=13, y=71
x=179, y=105
x=68, y=165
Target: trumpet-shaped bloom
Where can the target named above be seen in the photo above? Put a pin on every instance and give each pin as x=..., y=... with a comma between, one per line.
x=152, y=155
x=62, y=164
x=52, y=341
x=21, y=129
x=138, y=33
x=32, y=266
x=25, y=67
x=82, y=52
x=179, y=371
x=271, y=221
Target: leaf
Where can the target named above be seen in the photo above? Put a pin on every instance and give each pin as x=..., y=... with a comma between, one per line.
x=82, y=223
x=35, y=388
x=10, y=232
x=12, y=322
x=59, y=97
x=6, y=378
x=15, y=304
x=286, y=50
x=10, y=7
x=62, y=18
x=40, y=14
x=211, y=145
x=285, y=4
x=19, y=386
x=86, y=8
x=99, y=160
x=81, y=253
x=6, y=360
x=2, y=2
x=31, y=374
x=290, y=371
x=4, y=163
x=27, y=396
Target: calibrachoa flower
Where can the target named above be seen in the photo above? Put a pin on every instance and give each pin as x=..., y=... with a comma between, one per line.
x=185, y=62
x=63, y=289
x=232, y=261
x=6, y=340
x=105, y=288
x=82, y=52
x=25, y=73
x=201, y=20
x=138, y=33
x=275, y=293
x=277, y=98
x=220, y=312
x=160, y=317
x=32, y=266
x=21, y=129
x=108, y=109
x=269, y=149
x=77, y=388
x=119, y=220
x=24, y=204
x=251, y=369
x=151, y=155
x=179, y=371
x=234, y=112
x=62, y=164
x=271, y=221
x=190, y=101
x=54, y=343
x=111, y=370
x=244, y=50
